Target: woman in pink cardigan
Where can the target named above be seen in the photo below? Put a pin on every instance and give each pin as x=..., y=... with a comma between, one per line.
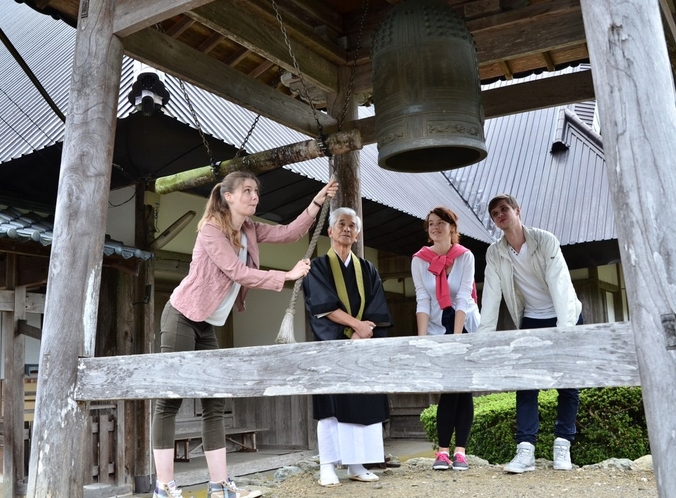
x=225, y=264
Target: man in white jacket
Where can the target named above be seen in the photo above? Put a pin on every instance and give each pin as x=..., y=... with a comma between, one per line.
x=526, y=267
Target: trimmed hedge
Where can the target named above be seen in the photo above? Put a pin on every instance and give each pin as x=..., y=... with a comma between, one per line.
x=610, y=424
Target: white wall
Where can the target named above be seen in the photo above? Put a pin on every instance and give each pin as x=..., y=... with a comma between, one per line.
x=260, y=323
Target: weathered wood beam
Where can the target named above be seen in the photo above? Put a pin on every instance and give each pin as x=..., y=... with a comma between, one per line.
x=584, y=356
x=321, y=13
x=533, y=29
x=635, y=96
x=542, y=27
x=29, y=330
x=134, y=15
x=297, y=30
x=210, y=43
x=224, y=17
x=35, y=303
x=71, y=306
x=337, y=143
x=180, y=26
x=14, y=359
x=160, y=51
x=513, y=99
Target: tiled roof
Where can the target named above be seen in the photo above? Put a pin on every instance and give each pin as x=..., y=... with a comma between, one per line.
x=32, y=227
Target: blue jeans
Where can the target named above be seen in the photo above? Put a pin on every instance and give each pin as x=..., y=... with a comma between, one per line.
x=527, y=415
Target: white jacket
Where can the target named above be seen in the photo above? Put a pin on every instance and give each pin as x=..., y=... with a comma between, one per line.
x=548, y=264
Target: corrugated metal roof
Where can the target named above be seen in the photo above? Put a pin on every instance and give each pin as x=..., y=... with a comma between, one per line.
x=218, y=118
x=565, y=192
x=33, y=227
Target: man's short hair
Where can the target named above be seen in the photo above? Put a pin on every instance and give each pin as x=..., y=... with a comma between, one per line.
x=502, y=197
x=337, y=213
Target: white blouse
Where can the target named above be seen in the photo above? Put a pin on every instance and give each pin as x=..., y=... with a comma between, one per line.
x=460, y=281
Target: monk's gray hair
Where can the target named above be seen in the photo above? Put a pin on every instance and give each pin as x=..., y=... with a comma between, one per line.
x=337, y=213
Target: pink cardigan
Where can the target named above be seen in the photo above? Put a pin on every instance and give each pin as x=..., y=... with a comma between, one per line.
x=215, y=266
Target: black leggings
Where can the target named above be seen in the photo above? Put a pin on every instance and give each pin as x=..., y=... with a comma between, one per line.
x=455, y=411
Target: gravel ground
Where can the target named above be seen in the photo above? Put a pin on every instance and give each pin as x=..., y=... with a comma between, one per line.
x=415, y=478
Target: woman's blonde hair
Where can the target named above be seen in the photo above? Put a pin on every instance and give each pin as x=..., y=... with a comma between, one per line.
x=217, y=210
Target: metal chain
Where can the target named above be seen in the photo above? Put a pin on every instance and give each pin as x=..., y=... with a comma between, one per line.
x=320, y=128
x=353, y=72
x=214, y=168
x=274, y=84
x=196, y=120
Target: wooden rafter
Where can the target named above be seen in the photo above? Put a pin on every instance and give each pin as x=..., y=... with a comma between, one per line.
x=134, y=15
x=175, y=58
x=226, y=18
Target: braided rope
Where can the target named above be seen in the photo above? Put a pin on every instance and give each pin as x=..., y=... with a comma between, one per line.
x=285, y=336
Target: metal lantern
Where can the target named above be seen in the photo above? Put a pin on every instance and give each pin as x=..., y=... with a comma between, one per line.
x=426, y=90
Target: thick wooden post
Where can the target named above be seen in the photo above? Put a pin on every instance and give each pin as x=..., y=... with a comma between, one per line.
x=635, y=95
x=345, y=167
x=13, y=395
x=57, y=453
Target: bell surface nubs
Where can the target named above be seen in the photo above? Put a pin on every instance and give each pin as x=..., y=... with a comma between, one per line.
x=426, y=90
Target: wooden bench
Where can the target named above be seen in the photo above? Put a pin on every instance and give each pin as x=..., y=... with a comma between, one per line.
x=243, y=437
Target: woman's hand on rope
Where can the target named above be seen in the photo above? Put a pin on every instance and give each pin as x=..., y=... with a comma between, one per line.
x=329, y=191
x=301, y=269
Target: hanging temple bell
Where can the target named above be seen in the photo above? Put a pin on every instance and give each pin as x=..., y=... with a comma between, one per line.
x=426, y=90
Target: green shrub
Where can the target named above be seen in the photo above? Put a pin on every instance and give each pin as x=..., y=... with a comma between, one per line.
x=610, y=423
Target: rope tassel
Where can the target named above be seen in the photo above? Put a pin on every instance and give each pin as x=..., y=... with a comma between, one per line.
x=286, y=335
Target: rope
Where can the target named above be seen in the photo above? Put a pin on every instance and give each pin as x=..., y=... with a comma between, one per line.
x=285, y=335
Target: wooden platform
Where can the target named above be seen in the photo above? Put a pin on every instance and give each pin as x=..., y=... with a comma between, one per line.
x=243, y=437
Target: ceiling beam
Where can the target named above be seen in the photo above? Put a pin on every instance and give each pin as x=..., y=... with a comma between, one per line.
x=296, y=29
x=134, y=15
x=226, y=18
x=516, y=98
x=160, y=51
x=543, y=27
x=513, y=37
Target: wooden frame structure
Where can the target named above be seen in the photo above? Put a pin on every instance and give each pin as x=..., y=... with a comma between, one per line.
x=634, y=87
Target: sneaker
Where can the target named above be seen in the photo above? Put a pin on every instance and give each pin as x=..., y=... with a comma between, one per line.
x=562, y=454
x=460, y=462
x=524, y=461
x=167, y=490
x=227, y=489
x=443, y=461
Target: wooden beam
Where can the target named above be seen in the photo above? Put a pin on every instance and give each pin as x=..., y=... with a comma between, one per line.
x=224, y=17
x=29, y=330
x=584, y=356
x=154, y=48
x=35, y=303
x=72, y=299
x=297, y=30
x=134, y=15
x=210, y=43
x=513, y=99
x=635, y=96
x=180, y=26
x=260, y=162
x=537, y=28
x=14, y=359
x=321, y=12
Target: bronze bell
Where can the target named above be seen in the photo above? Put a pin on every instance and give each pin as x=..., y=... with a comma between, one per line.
x=426, y=90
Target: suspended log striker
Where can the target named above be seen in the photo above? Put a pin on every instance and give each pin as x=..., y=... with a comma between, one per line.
x=260, y=162
x=426, y=90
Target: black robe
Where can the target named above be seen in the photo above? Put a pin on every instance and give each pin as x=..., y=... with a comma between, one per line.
x=321, y=297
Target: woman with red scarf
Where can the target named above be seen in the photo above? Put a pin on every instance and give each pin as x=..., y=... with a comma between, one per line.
x=443, y=274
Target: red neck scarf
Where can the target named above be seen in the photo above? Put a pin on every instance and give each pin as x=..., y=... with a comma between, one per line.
x=438, y=264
